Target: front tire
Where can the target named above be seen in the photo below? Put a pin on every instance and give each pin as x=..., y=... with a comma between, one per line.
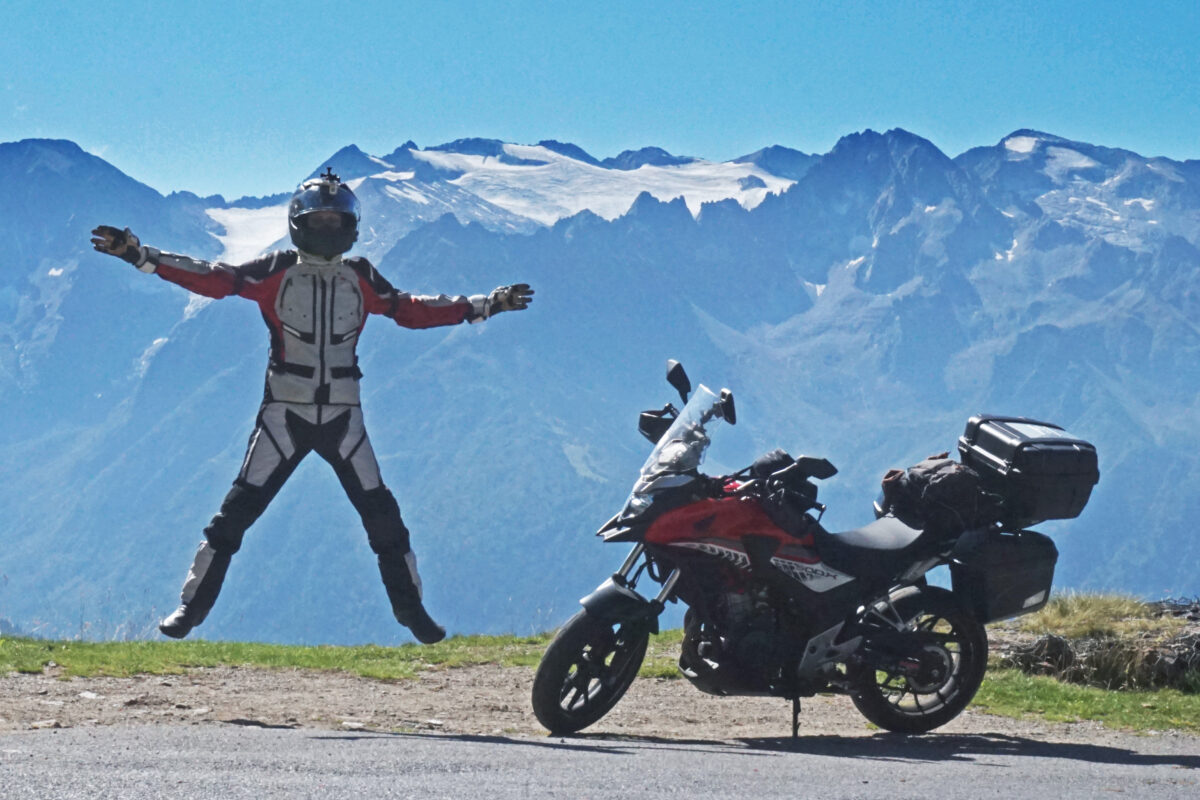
x=586, y=670
x=944, y=662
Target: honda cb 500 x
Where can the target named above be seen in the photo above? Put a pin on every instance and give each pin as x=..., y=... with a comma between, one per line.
x=778, y=606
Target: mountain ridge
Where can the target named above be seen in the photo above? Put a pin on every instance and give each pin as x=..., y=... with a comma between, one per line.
x=861, y=311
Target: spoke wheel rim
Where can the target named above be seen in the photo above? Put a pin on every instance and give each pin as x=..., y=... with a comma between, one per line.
x=926, y=688
x=598, y=667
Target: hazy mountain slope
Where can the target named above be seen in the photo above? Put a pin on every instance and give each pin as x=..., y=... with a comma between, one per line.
x=862, y=314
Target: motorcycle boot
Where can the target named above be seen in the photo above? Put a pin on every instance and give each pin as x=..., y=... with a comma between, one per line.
x=178, y=623
x=200, y=591
x=403, y=585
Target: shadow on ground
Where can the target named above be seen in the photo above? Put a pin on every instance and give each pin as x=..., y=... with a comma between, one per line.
x=879, y=747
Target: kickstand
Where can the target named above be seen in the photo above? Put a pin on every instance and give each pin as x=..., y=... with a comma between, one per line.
x=795, y=717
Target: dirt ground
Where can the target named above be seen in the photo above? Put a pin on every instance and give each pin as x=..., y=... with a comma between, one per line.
x=479, y=700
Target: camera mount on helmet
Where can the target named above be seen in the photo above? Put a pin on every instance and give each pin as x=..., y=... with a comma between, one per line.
x=313, y=231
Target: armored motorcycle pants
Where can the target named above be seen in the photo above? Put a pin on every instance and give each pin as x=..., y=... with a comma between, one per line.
x=284, y=434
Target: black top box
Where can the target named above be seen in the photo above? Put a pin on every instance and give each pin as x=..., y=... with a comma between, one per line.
x=1041, y=471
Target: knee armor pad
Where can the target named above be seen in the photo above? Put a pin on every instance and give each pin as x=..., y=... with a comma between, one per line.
x=380, y=514
x=242, y=506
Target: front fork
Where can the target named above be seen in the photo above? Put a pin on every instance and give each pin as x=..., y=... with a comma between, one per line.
x=617, y=599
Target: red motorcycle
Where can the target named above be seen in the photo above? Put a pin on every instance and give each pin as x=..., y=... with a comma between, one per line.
x=778, y=606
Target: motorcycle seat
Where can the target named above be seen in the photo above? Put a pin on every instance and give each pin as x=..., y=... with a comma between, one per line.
x=875, y=550
x=885, y=533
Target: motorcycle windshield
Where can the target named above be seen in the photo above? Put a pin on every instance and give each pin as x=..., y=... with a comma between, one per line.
x=680, y=450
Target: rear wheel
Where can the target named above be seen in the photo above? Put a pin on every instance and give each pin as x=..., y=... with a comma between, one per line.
x=930, y=676
x=586, y=670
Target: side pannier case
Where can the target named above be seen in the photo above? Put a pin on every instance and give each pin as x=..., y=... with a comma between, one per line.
x=1003, y=575
x=1039, y=470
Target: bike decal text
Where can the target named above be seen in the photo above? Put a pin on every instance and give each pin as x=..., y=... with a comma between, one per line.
x=735, y=557
x=819, y=578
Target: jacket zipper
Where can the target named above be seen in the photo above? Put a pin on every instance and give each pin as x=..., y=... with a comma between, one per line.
x=322, y=334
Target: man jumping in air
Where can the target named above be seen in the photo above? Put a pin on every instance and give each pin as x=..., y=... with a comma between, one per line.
x=315, y=303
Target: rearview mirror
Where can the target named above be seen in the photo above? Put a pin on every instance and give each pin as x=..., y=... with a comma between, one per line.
x=728, y=412
x=677, y=377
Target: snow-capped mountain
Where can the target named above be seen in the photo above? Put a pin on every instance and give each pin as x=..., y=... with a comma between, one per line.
x=510, y=188
x=861, y=304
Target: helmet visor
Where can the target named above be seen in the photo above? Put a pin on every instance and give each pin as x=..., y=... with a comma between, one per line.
x=325, y=220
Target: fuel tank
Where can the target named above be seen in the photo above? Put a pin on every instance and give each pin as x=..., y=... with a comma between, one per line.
x=737, y=530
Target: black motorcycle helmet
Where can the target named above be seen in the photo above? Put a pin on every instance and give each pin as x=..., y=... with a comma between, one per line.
x=323, y=216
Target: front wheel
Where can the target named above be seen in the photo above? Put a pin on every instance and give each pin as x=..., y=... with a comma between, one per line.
x=586, y=670
x=934, y=667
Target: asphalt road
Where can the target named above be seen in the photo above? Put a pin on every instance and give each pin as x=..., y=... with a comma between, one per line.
x=231, y=761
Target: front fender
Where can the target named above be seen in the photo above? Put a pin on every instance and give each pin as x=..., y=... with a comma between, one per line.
x=613, y=602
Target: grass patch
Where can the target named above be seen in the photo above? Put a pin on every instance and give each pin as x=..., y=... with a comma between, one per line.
x=1011, y=693
x=662, y=655
x=1077, y=615
x=122, y=659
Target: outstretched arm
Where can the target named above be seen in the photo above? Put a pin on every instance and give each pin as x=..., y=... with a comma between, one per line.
x=202, y=277
x=428, y=311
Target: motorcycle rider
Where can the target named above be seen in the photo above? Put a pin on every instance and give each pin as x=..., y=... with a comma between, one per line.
x=315, y=302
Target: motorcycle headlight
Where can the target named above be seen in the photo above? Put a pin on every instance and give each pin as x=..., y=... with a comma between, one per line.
x=637, y=504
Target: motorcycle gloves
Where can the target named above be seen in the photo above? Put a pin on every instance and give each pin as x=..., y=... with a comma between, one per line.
x=509, y=298
x=120, y=243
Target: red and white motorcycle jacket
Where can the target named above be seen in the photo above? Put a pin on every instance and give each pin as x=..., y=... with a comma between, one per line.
x=315, y=309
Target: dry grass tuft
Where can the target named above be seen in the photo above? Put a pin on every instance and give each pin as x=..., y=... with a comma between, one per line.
x=1113, y=642
x=1075, y=615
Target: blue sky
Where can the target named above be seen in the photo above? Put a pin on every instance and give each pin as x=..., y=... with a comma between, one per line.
x=248, y=97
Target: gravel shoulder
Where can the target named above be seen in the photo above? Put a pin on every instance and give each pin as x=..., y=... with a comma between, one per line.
x=478, y=700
